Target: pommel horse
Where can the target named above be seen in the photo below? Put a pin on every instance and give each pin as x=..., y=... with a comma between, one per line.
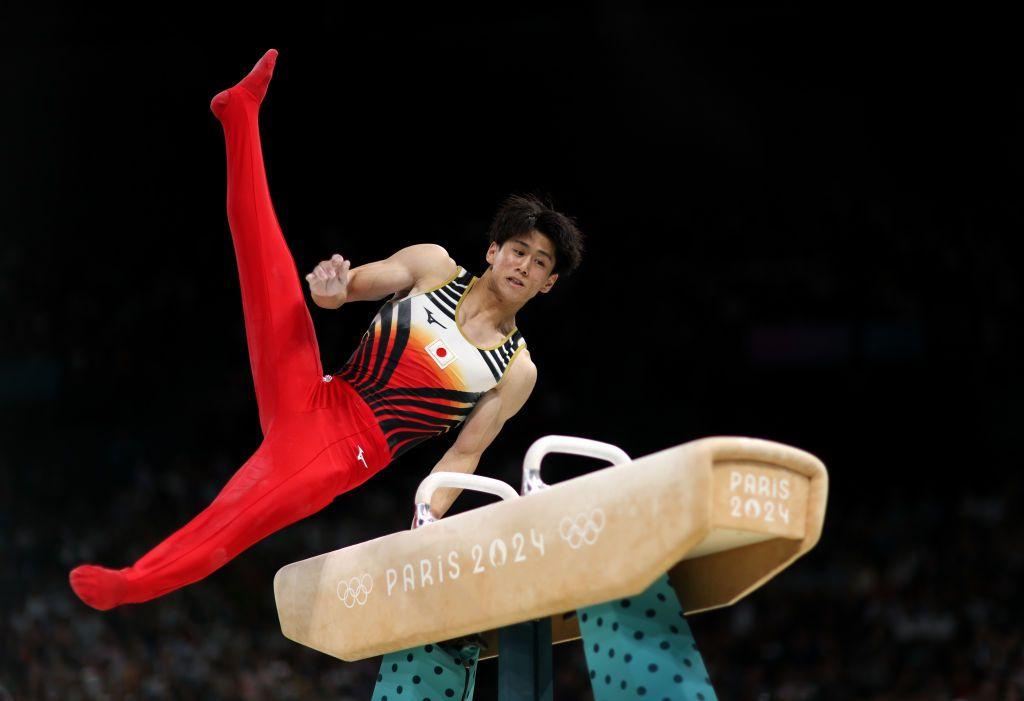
x=710, y=520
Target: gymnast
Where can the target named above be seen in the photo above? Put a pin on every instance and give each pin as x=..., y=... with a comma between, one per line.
x=443, y=350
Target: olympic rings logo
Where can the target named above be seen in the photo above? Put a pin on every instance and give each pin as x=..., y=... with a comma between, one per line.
x=582, y=529
x=354, y=591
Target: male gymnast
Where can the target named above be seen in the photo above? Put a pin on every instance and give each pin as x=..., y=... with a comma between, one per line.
x=444, y=350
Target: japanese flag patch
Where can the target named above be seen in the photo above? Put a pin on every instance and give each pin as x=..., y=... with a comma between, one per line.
x=441, y=353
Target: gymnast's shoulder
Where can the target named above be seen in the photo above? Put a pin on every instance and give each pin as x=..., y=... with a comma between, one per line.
x=521, y=375
x=429, y=263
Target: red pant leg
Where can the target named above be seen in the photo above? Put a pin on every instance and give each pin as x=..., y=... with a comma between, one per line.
x=306, y=460
x=283, y=350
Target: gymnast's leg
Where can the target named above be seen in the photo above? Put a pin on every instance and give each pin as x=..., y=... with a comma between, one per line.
x=283, y=350
x=291, y=476
x=287, y=478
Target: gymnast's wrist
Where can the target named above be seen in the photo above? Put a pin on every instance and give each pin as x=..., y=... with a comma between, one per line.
x=329, y=301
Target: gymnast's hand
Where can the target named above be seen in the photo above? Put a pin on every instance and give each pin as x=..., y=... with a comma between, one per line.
x=328, y=283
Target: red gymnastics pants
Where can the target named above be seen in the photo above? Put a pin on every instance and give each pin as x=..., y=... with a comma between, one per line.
x=320, y=437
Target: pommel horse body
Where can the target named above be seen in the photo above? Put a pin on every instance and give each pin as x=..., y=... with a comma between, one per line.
x=721, y=516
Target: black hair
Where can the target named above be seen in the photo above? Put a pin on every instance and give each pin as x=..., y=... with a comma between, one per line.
x=521, y=214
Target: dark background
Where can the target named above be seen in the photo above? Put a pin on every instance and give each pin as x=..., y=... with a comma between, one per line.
x=802, y=225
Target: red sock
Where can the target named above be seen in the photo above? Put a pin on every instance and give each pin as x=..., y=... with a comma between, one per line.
x=255, y=83
x=99, y=587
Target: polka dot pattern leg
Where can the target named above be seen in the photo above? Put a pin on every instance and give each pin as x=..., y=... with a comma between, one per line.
x=642, y=648
x=429, y=673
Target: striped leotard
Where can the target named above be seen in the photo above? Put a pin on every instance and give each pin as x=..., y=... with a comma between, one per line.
x=417, y=371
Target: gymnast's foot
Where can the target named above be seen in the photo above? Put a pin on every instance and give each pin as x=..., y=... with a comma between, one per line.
x=99, y=587
x=255, y=83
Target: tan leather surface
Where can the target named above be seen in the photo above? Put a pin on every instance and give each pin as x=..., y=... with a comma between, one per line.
x=605, y=535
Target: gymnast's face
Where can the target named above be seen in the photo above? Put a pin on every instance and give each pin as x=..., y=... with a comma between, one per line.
x=522, y=266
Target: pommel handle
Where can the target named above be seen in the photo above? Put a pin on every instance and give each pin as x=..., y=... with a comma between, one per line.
x=565, y=444
x=460, y=480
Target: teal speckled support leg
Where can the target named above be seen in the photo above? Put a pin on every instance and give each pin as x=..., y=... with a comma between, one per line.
x=430, y=673
x=642, y=648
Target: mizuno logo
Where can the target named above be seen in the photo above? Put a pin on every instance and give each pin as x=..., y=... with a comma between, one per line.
x=360, y=457
x=432, y=320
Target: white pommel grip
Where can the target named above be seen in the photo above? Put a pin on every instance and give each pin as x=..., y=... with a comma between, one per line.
x=459, y=480
x=565, y=444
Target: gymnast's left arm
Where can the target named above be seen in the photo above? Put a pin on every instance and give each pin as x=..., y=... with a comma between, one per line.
x=483, y=424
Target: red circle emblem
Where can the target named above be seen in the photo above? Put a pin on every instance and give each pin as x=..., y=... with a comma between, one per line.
x=441, y=352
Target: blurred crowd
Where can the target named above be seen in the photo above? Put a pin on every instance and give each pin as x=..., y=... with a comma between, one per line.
x=772, y=211
x=912, y=593
x=910, y=596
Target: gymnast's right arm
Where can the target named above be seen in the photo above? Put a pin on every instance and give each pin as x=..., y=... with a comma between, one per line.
x=332, y=284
